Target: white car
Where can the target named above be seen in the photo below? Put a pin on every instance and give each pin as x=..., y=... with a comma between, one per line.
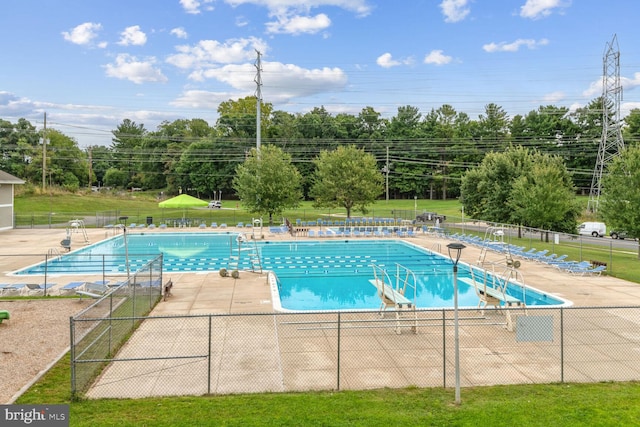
x=215, y=204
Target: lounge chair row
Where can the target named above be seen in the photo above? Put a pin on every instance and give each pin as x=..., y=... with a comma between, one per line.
x=542, y=256
x=364, y=232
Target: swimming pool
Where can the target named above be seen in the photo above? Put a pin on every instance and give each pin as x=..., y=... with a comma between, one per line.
x=311, y=275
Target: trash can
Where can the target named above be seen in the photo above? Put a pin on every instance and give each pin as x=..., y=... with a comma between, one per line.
x=149, y=220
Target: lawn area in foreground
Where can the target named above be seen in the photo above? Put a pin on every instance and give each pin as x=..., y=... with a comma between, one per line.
x=599, y=404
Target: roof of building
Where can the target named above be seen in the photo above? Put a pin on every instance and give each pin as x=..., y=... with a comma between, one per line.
x=7, y=178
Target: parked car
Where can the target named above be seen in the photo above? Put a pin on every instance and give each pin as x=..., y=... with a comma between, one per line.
x=595, y=229
x=620, y=234
x=215, y=204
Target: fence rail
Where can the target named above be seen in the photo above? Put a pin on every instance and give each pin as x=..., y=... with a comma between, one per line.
x=278, y=352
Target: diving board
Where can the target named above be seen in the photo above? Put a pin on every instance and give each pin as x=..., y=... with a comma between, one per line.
x=395, y=295
x=491, y=290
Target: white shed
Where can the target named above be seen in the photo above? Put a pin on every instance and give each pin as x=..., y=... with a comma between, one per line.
x=7, y=184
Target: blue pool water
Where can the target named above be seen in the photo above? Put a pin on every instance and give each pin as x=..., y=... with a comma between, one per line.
x=311, y=275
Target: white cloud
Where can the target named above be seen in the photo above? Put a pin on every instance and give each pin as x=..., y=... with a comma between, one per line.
x=128, y=67
x=630, y=83
x=514, y=46
x=193, y=6
x=211, y=52
x=12, y=105
x=284, y=7
x=202, y=99
x=595, y=87
x=436, y=57
x=386, y=61
x=285, y=81
x=294, y=17
x=455, y=10
x=83, y=34
x=626, y=108
x=299, y=24
x=534, y=9
x=179, y=32
x=241, y=21
x=132, y=36
x=553, y=97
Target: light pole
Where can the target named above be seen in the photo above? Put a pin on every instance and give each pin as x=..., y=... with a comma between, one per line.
x=123, y=221
x=455, y=249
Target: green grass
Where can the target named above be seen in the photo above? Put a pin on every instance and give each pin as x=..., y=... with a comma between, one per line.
x=600, y=404
x=35, y=209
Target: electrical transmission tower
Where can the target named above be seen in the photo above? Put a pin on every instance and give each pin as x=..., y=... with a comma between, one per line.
x=611, y=143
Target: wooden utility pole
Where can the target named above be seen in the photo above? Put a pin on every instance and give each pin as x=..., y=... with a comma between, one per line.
x=44, y=153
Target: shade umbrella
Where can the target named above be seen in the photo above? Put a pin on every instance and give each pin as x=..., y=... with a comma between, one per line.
x=183, y=201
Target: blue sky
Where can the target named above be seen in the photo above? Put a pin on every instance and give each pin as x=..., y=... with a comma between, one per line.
x=91, y=64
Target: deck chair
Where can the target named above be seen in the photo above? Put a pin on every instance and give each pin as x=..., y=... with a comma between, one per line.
x=70, y=288
x=34, y=289
x=4, y=315
x=12, y=289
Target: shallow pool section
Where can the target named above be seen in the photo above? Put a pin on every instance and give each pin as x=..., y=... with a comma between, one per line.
x=310, y=275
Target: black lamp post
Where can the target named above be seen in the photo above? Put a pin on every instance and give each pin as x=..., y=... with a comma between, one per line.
x=455, y=249
x=123, y=221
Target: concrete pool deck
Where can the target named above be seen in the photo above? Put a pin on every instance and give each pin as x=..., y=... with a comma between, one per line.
x=255, y=346
x=193, y=293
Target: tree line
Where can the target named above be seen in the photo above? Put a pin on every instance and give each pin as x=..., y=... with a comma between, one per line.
x=423, y=155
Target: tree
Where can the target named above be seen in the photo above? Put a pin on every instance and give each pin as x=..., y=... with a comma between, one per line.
x=116, y=178
x=631, y=132
x=545, y=198
x=620, y=201
x=238, y=118
x=64, y=159
x=126, y=144
x=200, y=168
x=485, y=190
x=267, y=182
x=521, y=186
x=494, y=124
x=346, y=177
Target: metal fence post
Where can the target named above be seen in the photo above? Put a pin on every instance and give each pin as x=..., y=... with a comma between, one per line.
x=339, y=326
x=72, y=354
x=561, y=344
x=209, y=357
x=444, y=348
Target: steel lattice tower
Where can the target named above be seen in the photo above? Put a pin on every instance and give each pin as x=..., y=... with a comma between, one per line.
x=611, y=143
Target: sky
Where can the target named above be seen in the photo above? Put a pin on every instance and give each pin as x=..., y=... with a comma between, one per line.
x=91, y=64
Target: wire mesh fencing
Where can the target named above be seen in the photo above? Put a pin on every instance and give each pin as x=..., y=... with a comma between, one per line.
x=279, y=352
x=98, y=332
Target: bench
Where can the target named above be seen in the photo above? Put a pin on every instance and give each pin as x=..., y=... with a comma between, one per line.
x=93, y=290
x=66, y=243
x=4, y=315
x=167, y=289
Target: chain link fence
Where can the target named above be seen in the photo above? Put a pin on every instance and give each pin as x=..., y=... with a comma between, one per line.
x=281, y=352
x=98, y=332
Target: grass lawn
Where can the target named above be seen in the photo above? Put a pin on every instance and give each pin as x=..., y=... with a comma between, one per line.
x=40, y=209
x=601, y=404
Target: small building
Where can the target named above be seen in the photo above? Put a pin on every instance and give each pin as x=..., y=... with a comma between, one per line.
x=7, y=184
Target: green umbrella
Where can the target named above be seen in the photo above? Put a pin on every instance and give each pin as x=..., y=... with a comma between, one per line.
x=183, y=201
